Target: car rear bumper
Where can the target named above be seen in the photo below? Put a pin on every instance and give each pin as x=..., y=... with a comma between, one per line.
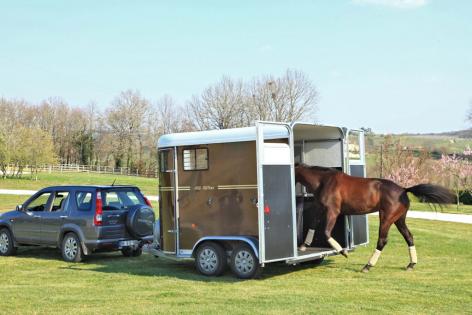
x=115, y=244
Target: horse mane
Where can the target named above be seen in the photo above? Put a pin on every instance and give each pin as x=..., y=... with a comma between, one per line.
x=317, y=168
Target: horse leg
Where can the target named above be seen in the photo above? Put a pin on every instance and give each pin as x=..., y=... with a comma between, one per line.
x=331, y=217
x=401, y=226
x=381, y=242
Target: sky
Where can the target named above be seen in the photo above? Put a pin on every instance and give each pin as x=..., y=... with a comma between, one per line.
x=391, y=65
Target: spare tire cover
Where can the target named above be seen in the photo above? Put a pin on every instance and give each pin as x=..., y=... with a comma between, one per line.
x=140, y=221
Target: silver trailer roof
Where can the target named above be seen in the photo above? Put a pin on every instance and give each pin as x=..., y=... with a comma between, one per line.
x=221, y=136
x=308, y=131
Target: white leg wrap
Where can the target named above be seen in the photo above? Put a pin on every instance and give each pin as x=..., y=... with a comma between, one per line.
x=309, y=237
x=413, y=257
x=374, y=258
x=335, y=244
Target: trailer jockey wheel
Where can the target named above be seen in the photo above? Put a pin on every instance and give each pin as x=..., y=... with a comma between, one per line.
x=210, y=259
x=244, y=263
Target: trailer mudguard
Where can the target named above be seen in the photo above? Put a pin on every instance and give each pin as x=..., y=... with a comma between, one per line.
x=250, y=240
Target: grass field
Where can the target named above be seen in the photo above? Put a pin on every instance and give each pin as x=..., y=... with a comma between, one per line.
x=147, y=185
x=37, y=281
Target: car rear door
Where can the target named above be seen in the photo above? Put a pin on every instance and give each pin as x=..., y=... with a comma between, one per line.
x=116, y=204
x=53, y=220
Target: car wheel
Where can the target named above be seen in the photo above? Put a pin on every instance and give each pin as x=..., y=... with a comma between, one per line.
x=244, y=263
x=210, y=259
x=7, y=247
x=130, y=252
x=71, y=248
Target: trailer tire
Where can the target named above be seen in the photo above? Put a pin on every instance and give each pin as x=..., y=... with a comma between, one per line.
x=210, y=259
x=244, y=263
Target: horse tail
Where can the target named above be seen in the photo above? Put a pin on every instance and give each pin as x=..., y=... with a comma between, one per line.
x=432, y=194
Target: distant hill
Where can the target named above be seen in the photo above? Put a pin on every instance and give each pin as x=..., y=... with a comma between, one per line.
x=445, y=142
x=465, y=134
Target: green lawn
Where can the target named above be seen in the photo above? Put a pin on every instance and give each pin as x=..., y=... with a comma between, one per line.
x=147, y=185
x=37, y=281
x=419, y=206
x=9, y=202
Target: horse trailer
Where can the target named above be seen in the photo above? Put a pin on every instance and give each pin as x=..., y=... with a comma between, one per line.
x=230, y=197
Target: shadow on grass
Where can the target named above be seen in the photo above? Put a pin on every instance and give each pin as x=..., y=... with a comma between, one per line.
x=149, y=266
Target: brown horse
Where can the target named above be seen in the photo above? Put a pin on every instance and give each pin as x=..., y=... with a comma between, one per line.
x=340, y=193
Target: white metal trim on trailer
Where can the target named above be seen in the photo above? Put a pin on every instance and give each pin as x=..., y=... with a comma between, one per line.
x=220, y=136
x=260, y=191
x=362, y=162
x=176, y=202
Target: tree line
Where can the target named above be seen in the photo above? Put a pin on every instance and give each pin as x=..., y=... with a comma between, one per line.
x=125, y=133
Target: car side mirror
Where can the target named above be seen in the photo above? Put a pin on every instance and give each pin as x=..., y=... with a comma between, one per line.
x=19, y=208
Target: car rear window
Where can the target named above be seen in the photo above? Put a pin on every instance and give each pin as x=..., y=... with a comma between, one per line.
x=121, y=199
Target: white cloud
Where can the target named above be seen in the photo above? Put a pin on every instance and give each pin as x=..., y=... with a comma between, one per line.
x=400, y=4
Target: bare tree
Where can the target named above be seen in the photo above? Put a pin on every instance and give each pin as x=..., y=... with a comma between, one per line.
x=469, y=113
x=169, y=115
x=287, y=98
x=220, y=106
x=232, y=103
x=125, y=120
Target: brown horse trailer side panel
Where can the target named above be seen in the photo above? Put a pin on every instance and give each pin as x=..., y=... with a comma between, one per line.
x=220, y=200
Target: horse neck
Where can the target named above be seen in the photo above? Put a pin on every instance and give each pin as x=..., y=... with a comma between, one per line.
x=308, y=177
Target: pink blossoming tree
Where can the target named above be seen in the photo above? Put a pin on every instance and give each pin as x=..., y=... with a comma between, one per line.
x=457, y=172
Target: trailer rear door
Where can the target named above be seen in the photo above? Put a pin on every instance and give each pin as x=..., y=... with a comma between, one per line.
x=359, y=225
x=276, y=198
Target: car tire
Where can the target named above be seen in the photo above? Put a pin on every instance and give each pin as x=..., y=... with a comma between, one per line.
x=130, y=252
x=71, y=248
x=7, y=247
x=244, y=262
x=210, y=259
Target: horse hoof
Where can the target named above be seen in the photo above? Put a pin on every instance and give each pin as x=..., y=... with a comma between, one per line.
x=366, y=269
x=410, y=267
x=344, y=253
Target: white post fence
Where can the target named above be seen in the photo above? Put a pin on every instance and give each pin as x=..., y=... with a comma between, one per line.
x=77, y=168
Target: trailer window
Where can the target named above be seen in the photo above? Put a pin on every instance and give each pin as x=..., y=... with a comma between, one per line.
x=354, y=146
x=195, y=159
x=163, y=156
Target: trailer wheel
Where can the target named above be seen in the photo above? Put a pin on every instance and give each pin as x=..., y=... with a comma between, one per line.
x=210, y=259
x=244, y=262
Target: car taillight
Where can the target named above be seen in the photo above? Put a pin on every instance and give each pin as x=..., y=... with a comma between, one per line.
x=97, y=219
x=147, y=202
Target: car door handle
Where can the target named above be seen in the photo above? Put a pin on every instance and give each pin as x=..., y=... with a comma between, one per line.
x=63, y=216
x=36, y=216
